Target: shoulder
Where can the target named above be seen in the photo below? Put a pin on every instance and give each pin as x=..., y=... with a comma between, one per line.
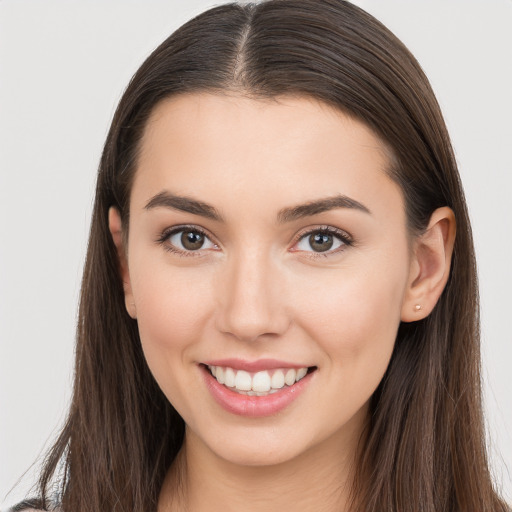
x=24, y=508
x=29, y=506
x=36, y=505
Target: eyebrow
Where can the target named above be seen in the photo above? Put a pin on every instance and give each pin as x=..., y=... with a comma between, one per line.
x=318, y=206
x=187, y=204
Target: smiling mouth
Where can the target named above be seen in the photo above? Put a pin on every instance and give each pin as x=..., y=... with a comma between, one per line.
x=262, y=383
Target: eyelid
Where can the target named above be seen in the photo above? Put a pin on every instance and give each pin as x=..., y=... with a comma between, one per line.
x=163, y=239
x=342, y=235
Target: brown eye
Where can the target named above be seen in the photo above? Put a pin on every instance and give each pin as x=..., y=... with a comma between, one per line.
x=321, y=242
x=328, y=240
x=192, y=240
x=186, y=240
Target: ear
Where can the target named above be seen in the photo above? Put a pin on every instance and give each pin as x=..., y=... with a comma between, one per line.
x=430, y=266
x=116, y=230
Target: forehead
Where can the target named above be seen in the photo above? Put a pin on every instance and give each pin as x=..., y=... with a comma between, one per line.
x=284, y=150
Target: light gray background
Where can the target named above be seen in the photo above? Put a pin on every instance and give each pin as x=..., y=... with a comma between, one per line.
x=63, y=67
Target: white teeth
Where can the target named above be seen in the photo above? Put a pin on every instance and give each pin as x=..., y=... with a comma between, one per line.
x=278, y=379
x=301, y=373
x=260, y=383
x=256, y=393
x=229, y=378
x=243, y=381
x=290, y=377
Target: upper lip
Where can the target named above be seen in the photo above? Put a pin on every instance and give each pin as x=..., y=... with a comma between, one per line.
x=254, y=366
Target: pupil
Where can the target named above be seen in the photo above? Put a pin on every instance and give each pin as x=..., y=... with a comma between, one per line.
x=192, y=240
x=321, y=242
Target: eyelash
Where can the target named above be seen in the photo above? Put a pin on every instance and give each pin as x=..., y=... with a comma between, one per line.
x=345, y=239
x=163, y=240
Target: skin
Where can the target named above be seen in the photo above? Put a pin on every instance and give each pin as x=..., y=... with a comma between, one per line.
x=255, y=291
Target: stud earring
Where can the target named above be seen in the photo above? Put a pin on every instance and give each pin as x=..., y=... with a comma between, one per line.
x=417, y=307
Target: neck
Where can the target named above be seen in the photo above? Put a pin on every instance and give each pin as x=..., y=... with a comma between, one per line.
x=318, y=479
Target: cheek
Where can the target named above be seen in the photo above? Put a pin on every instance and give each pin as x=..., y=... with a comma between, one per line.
x=354, y=316
x=171, y=303
x=172, y=308
x=353, y=320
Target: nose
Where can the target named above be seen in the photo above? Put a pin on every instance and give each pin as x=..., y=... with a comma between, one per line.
x=252, y=301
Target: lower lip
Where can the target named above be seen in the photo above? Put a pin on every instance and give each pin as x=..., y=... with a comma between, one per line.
x=254, y=406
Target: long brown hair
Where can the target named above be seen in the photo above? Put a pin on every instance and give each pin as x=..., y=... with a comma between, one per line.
x=424, y=448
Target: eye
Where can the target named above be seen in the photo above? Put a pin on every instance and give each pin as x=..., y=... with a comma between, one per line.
x=186, y=240
x=326, y=240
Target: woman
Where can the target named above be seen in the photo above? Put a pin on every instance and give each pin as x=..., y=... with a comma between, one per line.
x=279, y=305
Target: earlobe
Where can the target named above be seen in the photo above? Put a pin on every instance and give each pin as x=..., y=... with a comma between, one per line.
x=116, y=230
x=430, y=266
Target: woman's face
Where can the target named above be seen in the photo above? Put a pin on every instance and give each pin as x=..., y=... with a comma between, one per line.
x=265, y=241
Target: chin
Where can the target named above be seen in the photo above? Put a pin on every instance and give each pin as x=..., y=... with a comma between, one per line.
x=266, y=447
x=253, y=457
